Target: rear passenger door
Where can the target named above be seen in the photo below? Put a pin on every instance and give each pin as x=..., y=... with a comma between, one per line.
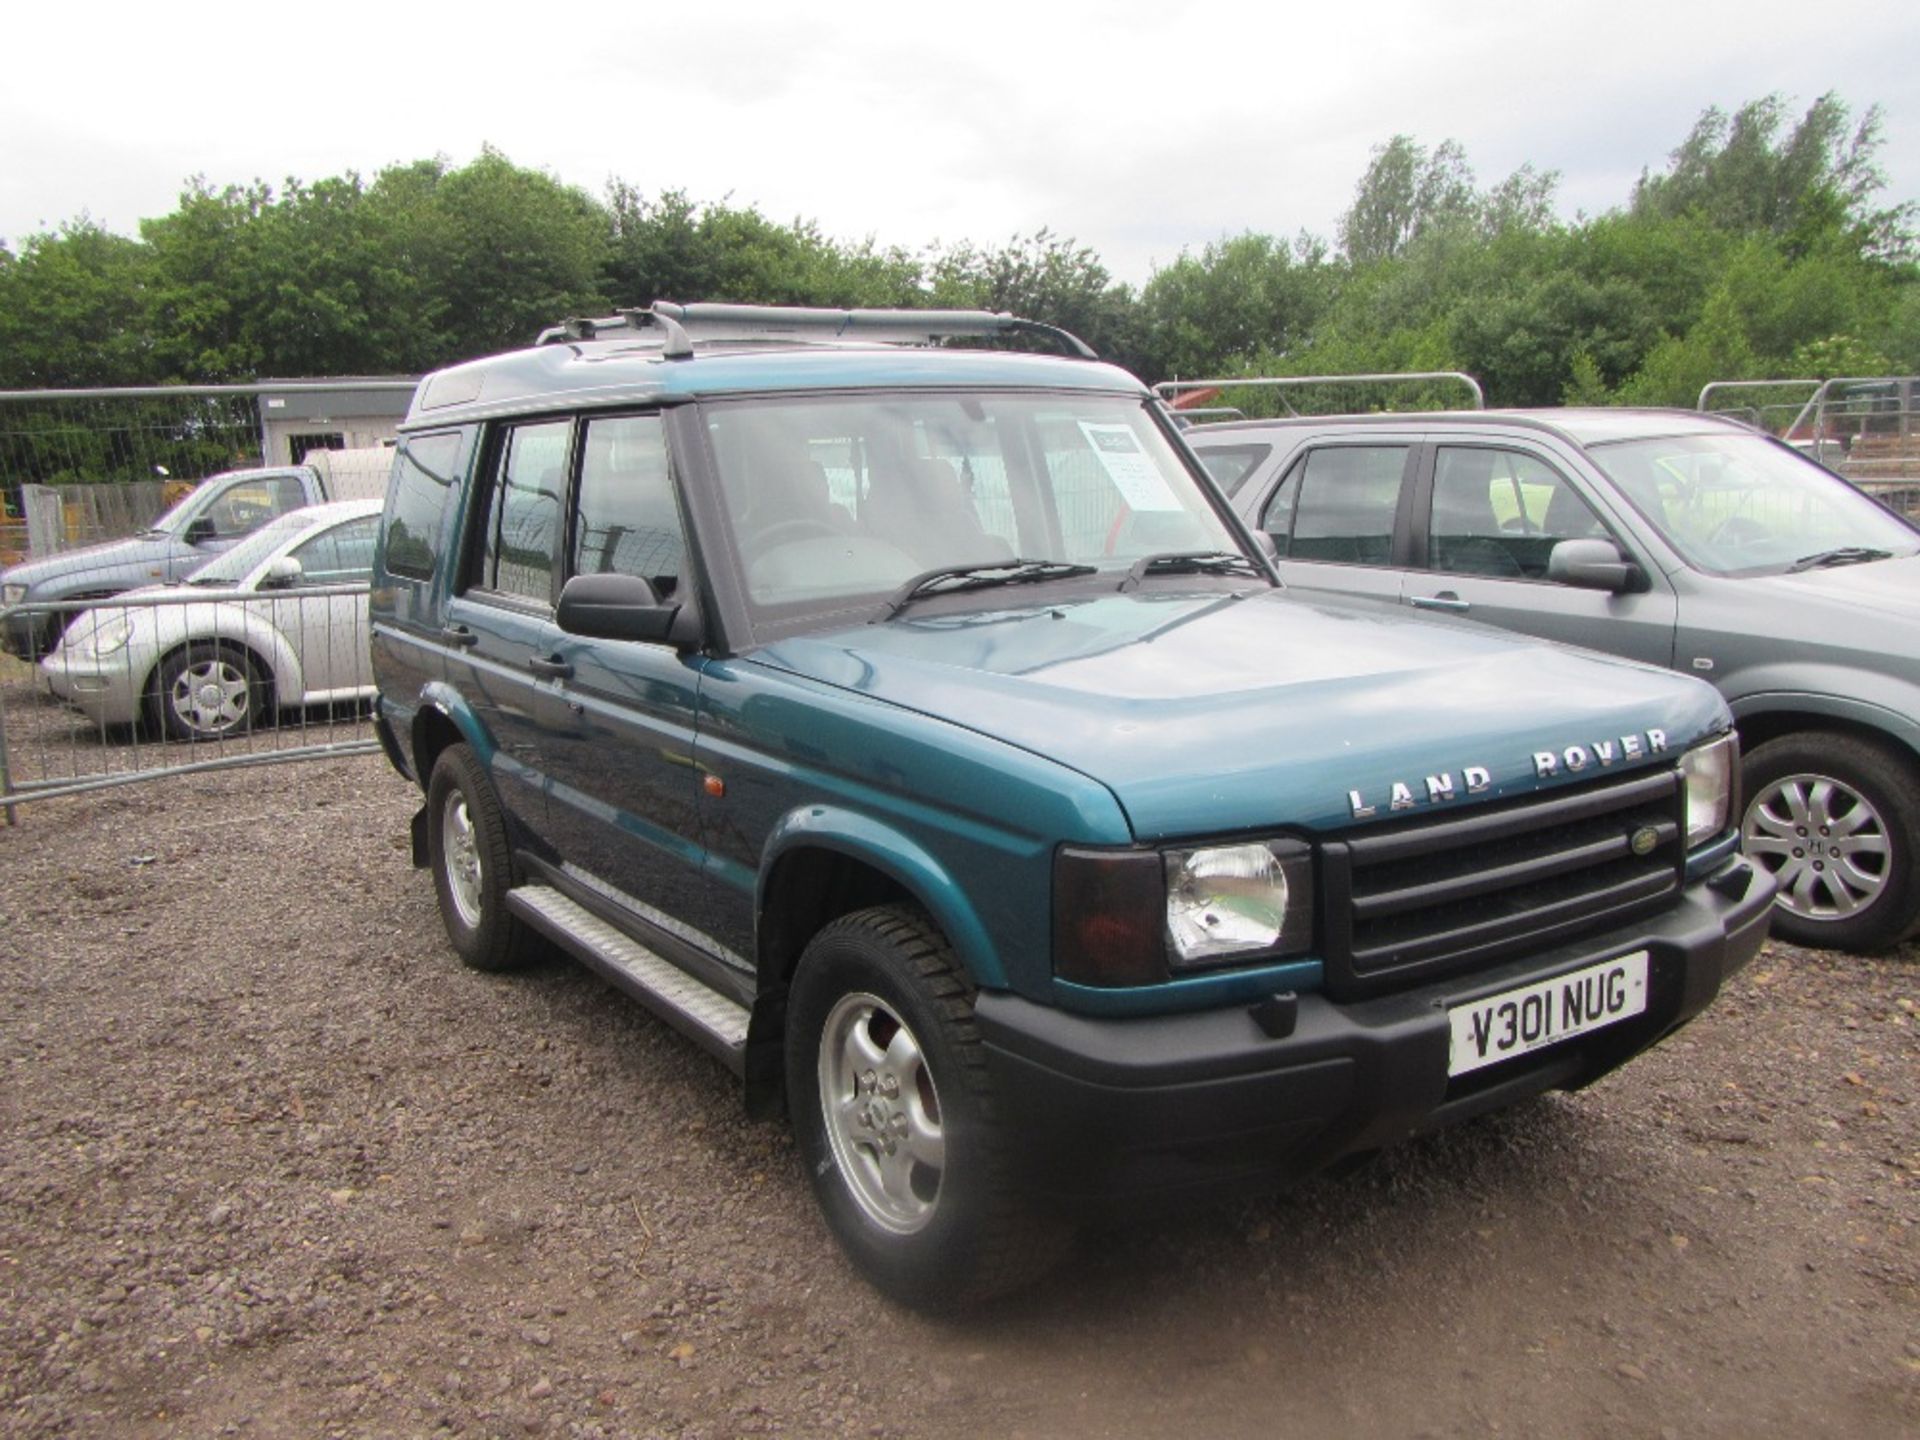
x=499, y=620
x=1338, y=516
x=1487, y=516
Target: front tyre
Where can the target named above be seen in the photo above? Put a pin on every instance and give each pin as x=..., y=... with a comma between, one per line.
x=1836, y=820
x=472, y=862
x=894, y=1114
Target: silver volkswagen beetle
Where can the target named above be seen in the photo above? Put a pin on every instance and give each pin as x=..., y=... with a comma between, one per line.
x=270, y=625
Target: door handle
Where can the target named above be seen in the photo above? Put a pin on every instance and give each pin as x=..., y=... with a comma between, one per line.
x=1445, y=600
x=549, y=667
x=459, y=635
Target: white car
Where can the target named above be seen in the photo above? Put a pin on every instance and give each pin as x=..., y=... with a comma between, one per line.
x=267, y=626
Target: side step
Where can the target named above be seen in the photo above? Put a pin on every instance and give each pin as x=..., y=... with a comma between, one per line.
x=714, y=1021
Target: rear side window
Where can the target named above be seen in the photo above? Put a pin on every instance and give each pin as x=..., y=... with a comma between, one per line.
x=629, y=522
x=1339, y=504
x=424, y=483
x=527, y=489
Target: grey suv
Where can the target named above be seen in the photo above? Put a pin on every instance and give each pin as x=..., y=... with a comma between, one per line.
x=1671, y=537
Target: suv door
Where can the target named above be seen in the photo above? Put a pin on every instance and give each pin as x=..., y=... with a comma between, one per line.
x=1338, y=514
x=625, y=795
x=499, y=619
x=1487, y=514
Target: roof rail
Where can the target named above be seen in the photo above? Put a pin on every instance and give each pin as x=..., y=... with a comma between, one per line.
x=1169, y=389
x=713, y=322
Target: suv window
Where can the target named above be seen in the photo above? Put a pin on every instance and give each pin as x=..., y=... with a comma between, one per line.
x=1339, y=504
x=628, y=522
x=1229, y=465
x=1501, y=512
x=422, y=487
x=526, y=487
x=832, y=498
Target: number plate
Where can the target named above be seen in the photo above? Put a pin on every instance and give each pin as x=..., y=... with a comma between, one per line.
x=1534, y=1016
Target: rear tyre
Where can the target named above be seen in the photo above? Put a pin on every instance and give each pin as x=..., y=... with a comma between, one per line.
x=210, y=691
x=1836, y=820
x=895, y=1116
x=472, y=863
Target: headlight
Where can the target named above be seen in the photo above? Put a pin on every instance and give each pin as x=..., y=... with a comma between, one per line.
x=1231, y=899
x=1709, y=771
x=1131, y=917
x=12, y=594
x=106, y=637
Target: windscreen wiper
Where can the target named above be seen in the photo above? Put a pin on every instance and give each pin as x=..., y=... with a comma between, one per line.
x=1844, y=555
x=1193, y=562
x=949, y=579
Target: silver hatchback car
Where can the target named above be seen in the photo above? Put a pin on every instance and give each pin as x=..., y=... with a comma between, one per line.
x=277, y=622
x=1681, y=539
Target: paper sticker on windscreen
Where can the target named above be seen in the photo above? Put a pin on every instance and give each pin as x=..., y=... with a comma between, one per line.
x=1131, y=469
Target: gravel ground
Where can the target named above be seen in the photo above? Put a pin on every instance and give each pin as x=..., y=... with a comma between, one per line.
x=272, y=1163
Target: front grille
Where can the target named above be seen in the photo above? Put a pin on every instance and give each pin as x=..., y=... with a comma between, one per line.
x=1431, y=897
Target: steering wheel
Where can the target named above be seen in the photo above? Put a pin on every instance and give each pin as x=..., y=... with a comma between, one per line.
x=785, y=532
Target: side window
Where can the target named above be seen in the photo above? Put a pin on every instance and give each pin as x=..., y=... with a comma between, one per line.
x=1229, y=465
x=248, y=506
x=1501, y=512
x=341, y=555
x=1341, y=502
x=521, y=543
x=422, y=487
x=628, y=522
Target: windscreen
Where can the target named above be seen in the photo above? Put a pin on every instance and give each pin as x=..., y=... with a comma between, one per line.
x=1739, y=504
x=835, y=500
x=230, y=567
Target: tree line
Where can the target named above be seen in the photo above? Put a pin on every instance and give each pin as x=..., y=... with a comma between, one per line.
x=1760, y=247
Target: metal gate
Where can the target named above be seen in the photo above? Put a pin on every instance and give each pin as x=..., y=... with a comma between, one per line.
x=103, y=463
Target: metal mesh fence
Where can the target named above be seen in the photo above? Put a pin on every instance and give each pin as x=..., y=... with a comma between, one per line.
x=170, y=682
x=1865, y=429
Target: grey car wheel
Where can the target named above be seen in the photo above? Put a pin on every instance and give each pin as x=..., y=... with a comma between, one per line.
x=881, y=1110
x=1832, y=818
x=208, y=692
x=895, y=1115
x=472, y=863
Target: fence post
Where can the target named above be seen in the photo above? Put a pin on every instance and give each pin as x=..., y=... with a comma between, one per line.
x=6, y=775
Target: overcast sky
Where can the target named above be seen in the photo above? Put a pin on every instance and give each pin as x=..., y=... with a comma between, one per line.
x=1140, y=129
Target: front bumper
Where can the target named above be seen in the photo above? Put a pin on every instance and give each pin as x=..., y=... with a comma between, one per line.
x=22, y=632
x=1180, y=1106
x=103, y=690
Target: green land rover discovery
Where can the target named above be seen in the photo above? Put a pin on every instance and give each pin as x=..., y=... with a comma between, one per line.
x=916, y=728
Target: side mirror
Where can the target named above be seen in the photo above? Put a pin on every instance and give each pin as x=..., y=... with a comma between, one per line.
x=1594, y=565
x=200, y=531
x=283, y=573
x=622, y=607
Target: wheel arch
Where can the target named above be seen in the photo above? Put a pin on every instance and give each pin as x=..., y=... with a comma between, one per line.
x=822, y=864
x=270, y=678
x=1764, y=718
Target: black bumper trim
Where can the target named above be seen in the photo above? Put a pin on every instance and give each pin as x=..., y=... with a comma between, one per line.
x=1129, y=1109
